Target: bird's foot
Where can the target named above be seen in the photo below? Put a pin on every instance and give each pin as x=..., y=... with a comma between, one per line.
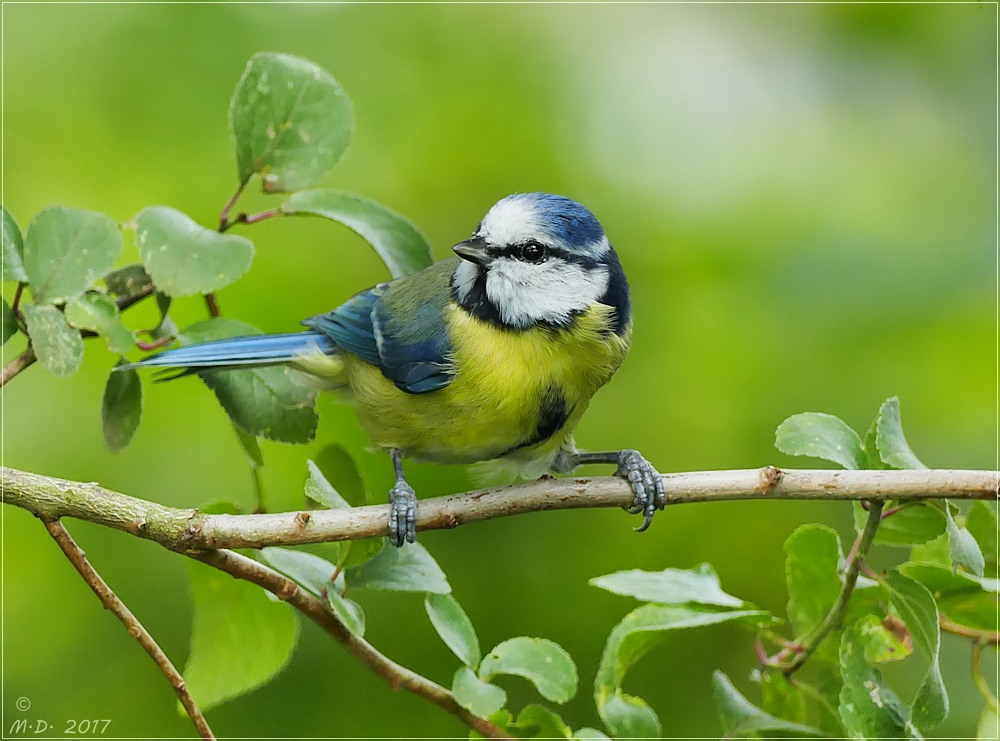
x=402, y=514
x=647, y=485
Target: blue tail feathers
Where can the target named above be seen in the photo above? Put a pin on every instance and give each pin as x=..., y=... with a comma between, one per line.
x=236, y=352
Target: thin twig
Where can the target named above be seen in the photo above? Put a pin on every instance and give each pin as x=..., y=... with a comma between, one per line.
x=16, y=303
x=978, y=634
x=112, y=602
x=835, y=618
x=188, y=528
x=979, y=679
x=398, y=676
x=17, y=365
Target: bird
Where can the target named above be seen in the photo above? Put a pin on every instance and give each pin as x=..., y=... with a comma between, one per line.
x=489, y=356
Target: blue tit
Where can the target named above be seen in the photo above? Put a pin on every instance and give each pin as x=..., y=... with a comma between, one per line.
x=492, y=355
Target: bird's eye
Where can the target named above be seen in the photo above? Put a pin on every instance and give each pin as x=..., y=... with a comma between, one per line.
x=532, y=252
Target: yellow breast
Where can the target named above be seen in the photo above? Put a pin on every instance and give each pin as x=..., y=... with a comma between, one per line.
x=505, y=380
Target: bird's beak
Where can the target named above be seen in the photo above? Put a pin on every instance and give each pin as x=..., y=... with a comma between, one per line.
x=473, y=250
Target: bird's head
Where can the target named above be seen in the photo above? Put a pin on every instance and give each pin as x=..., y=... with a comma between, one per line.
x=538, y=259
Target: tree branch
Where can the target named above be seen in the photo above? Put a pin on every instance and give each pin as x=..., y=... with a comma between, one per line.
x=395, y=674
x=112, y=602
x=188, y=529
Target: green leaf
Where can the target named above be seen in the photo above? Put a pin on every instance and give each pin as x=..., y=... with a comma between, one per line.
x=250, y=447
x=58, y=346
x=781, y=698
x=964, y=549
x=407, y=569
x=315, y=574
x=981, y=521
x=916, y=607
x=811, y=572
x=121, y=408
x=99, y=313
x=582, y=734
x=989, y=724
x=629, y=717
x=291, y=122
x=240, y=638
x=542, y=662
x=341, y=471
x=265, y=402
x=740, y=717
x=629, y=641
x=319, y=489
x=403, y=249
x=478, y=697
x=918, y=522
x=960, y=597
x=66, y=250
x=183, y=257
x=13, y=248
x=312, y=572
x=537, y=721
x=670, y=586
x=892, y=446
x=868, y=707
x=8, y=322
x=454, y=627
x=820, y=435
x=129, y=281
x=347, y=611
x=873, y=460
x=937, y=550
x=884, y=640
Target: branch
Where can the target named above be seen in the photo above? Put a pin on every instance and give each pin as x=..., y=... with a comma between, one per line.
x=112, y=602
x=395, y=674
x=187, y=529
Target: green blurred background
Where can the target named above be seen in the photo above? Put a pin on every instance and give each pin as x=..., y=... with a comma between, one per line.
x=803, y=198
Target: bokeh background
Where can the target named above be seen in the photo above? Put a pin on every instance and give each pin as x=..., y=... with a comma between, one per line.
x=803, y=197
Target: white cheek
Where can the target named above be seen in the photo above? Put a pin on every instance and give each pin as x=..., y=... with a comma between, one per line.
x=552, y=291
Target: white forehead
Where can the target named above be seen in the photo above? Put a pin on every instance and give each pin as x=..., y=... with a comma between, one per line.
x=512, y=221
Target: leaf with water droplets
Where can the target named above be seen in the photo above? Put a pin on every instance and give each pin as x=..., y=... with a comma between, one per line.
x=66, y=250
x=183, y=257
x=291, y=122
x=58, y=346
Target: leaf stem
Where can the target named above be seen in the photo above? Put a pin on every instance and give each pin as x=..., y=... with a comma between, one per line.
x=260, y=216
x=212, y=304
x=835, y=617
x=224, y=222
x=112, y=602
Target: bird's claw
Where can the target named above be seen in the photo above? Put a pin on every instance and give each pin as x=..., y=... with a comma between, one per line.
x=402, y=514
x=647, y=486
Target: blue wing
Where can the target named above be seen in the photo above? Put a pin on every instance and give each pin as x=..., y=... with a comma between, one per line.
x=398, y=327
